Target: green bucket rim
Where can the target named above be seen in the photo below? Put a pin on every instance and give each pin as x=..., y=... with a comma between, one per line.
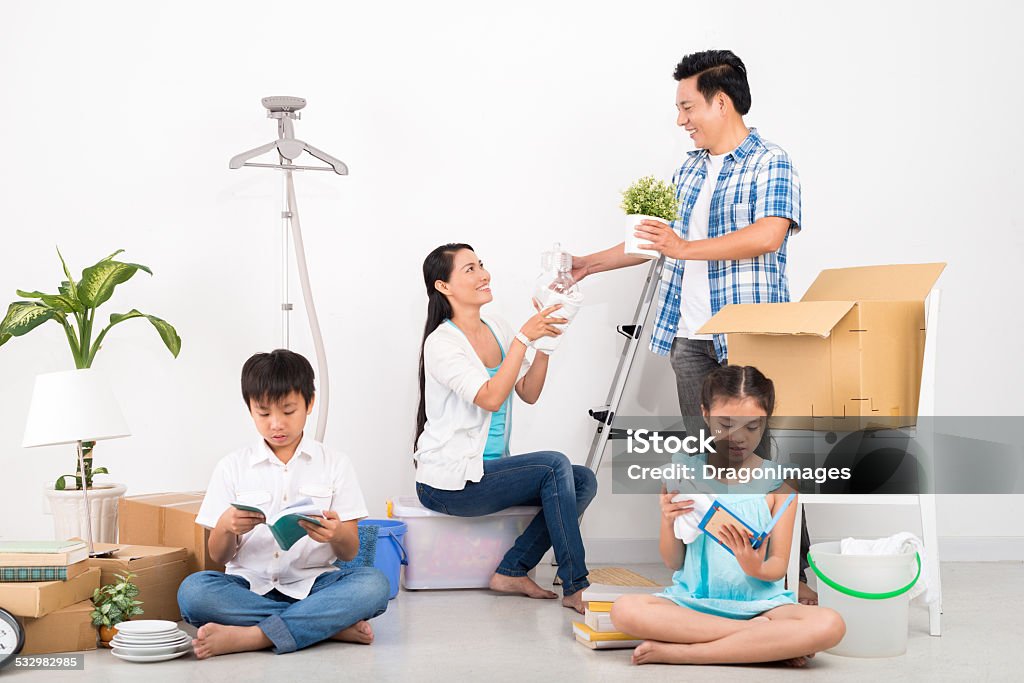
x=861, y=594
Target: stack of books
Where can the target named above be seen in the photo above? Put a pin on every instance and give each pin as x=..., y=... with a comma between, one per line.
x=31, y=561
x=596, y=631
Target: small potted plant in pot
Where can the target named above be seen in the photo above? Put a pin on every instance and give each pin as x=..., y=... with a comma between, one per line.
x=113, y=604
x=647, y=198
x=74, y=309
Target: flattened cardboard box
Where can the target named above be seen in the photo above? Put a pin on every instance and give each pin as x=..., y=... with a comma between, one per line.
x=40, y=599
x=168, y=520
x=158, y=573
x=852, y=347
x=66, y=630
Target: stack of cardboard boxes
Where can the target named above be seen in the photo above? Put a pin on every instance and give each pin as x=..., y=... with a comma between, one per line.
x=159, y=542
x=49, y=585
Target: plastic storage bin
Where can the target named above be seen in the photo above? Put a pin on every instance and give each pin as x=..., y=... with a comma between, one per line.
x=870, y=593
x=456, y=552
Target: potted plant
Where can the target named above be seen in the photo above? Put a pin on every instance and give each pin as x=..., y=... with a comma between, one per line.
x=113, y=604
x=74, y=308
x=647, y=198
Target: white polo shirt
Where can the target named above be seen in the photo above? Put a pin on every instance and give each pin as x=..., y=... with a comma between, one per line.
x=256, y=472
x=450, y=451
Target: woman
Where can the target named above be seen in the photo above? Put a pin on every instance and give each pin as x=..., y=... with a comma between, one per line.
x=469, y=366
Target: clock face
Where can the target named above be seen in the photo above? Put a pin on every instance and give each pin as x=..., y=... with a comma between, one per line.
x=11, y=637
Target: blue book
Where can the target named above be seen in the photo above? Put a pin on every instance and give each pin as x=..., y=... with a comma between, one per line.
x=284, y=526
x=718, y=514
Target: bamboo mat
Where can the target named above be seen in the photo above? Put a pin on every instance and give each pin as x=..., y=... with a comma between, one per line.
x=617, y=576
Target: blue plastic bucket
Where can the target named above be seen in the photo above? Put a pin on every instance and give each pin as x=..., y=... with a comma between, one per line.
x=390, y=550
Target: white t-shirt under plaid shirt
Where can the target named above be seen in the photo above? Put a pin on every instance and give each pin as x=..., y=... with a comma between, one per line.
x=757, y=180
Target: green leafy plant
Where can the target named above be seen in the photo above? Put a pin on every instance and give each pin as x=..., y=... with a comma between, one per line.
x=115, y=602
x=651, y=197
x=74, y=309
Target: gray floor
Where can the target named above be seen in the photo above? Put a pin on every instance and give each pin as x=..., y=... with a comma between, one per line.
x=476, y=635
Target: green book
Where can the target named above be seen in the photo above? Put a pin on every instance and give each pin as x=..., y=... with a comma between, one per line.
x=284, y=526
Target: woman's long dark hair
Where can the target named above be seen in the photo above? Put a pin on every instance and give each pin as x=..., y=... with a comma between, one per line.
x=742, y=381
x=437, y=266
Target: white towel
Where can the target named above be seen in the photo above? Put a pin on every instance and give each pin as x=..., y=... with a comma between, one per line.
x=571, y=305
x=897, y=544
x=685, y=526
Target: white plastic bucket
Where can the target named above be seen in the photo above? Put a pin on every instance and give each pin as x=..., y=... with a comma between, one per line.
x=870, y=592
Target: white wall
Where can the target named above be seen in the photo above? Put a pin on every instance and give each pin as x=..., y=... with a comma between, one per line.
x=504, y=127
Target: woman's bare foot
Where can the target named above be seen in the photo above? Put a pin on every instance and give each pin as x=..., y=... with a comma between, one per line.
x=217, y=639
x=523, y=585
x=805, y=595
x=360, y=632
x=574, y=601
x=655, y=652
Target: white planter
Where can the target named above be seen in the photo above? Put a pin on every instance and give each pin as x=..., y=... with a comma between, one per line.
x=68, y=510
x=633, y=242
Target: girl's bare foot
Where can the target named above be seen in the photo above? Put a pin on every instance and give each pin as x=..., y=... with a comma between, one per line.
x=655, y=652
x=798, y=662
x=360, y=632
x=523, y=585
x=574, y=601
x=805, y=595
x=216, y=639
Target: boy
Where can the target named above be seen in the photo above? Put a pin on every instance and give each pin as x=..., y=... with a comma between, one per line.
x=268, y=597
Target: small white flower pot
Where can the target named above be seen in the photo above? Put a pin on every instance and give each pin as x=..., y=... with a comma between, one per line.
x=633, y=243
x=68, y=510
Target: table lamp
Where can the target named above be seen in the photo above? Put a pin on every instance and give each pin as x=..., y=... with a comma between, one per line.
x=72, y=407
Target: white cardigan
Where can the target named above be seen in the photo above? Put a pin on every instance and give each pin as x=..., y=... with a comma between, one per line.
x=450, y=451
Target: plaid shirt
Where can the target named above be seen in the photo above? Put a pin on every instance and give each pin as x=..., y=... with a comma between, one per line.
x=757, y=180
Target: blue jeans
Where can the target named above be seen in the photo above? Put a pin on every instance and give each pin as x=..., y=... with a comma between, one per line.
x=546, y=479
x=336, y=601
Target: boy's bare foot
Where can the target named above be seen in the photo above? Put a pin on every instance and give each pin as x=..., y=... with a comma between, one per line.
x=360, y=632
x=655, y=652
x=574, y=601
x=805, y=595
x=523, y=585
x=217, y=639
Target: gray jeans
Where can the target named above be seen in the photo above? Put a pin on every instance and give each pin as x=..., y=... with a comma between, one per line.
x=692, y=360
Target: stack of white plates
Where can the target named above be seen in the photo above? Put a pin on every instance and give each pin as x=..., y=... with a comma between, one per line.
x=150, y=641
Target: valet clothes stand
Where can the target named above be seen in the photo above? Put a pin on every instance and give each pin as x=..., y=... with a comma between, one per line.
x=924, y=501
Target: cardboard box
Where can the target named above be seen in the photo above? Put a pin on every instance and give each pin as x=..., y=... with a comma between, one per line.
x=168, y=520
x=40, y=599
x=853, y=346
x=67, y=630
x=158, y=574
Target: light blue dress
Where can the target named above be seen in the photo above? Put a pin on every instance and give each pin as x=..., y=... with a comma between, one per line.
x=711, y=580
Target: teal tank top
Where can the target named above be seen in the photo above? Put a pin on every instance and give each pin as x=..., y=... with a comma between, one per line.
x=496, y=442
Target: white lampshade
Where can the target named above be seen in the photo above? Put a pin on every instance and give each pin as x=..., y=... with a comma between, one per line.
x=77, y=405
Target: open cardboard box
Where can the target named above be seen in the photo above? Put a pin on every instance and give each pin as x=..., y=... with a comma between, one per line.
x=158, y=573
x=852, y=347
x=168, y=520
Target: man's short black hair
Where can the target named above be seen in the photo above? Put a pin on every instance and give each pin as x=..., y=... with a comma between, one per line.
x=269, y=377
x=717, y=71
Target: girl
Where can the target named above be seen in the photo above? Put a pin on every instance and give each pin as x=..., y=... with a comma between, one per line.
x=730, y=608
x=468, y=367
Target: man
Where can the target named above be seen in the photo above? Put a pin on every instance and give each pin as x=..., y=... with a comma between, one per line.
x=740, y=203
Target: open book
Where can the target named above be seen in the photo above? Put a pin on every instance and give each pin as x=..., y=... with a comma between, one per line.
x=285, y=524
x=719, y=515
